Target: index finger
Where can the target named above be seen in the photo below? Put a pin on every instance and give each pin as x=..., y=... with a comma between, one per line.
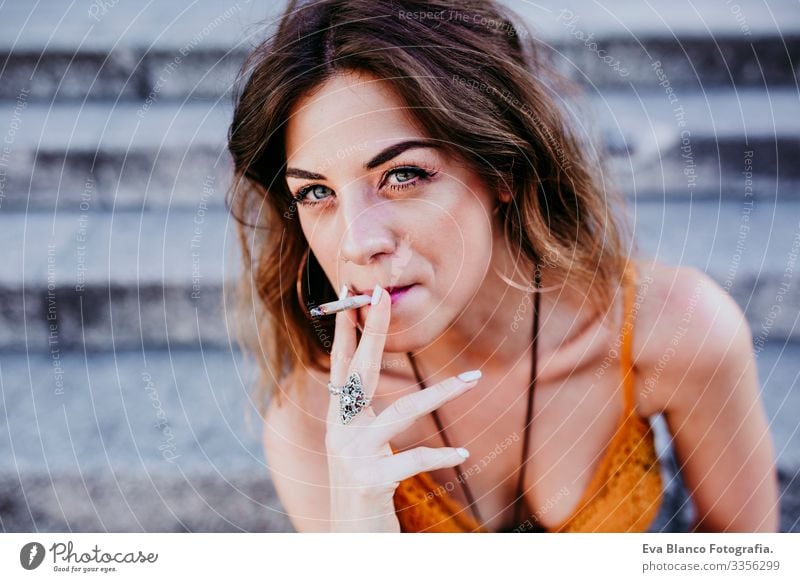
x=368, y=356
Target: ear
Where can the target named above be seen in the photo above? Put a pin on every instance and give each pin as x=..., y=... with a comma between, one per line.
x=505, y=196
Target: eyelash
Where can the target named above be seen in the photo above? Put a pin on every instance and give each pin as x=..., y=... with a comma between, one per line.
x=420, y=173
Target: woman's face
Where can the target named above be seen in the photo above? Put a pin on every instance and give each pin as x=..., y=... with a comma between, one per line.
x=382, y=204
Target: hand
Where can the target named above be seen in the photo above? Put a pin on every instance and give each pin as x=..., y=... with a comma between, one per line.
x=363, y=471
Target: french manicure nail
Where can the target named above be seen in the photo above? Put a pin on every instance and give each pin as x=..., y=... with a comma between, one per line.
x=376, y=295
x=463, y=452
x=470, y=376
x=343, y=292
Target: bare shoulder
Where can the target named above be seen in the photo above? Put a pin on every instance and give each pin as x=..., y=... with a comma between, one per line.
x=686, y=327
x=294, y=447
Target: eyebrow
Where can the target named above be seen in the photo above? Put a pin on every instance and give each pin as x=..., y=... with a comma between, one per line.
x=389, y=153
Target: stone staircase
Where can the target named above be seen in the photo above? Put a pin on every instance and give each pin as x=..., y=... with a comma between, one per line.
x=125, y=400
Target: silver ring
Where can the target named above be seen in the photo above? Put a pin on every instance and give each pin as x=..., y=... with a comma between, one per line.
x=352, y=398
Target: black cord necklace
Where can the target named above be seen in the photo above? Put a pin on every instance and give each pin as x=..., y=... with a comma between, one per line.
x=519, y=499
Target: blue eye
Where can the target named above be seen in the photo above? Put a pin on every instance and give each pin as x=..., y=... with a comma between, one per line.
x=404, y=175
x=315, y=190
x=396, y=178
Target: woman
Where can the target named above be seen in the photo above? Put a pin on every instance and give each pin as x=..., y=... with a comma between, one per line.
x=418, y=147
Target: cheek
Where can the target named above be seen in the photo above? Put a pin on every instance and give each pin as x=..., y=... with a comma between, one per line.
x=469, y=224
x=461, y=239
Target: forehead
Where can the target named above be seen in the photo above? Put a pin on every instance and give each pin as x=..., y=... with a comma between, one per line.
x=349, y=114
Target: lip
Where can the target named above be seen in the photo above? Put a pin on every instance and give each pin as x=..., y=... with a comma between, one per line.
x=395, y=292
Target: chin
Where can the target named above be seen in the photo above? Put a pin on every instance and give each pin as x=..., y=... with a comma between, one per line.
x=413, y=336
x=404, y=342
x=415, y=323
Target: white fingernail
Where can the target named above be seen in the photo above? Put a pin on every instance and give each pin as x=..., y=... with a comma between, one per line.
x=470, y=376
x=343, y=292
x=463, y=452
x=376, y=295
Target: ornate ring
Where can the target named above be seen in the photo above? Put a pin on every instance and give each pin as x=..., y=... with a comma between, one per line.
x=352, y=398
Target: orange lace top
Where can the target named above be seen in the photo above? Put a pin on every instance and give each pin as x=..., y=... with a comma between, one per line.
x=624, y=495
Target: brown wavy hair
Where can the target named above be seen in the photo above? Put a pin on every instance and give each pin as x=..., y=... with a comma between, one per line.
x=474, y=76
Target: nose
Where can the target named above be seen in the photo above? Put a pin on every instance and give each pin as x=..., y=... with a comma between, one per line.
x=367, y=227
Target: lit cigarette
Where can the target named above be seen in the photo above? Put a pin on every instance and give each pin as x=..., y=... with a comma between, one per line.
x=353, y=302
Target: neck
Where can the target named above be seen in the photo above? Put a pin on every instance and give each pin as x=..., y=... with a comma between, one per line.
x=494, y=334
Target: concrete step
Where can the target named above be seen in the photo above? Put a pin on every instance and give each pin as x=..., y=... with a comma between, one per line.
x=103, y=50
x=160, y=440
x=726, y=44
x=101, y=26
x=123, y=280
x=123, y=51
x=115, y=156
x=106, y=156
x=115, y=281
x=750, y=249
x=681, y=18
x=714, y=145
x=159, y=73
x=140, y=502
x=133, y=441
x=152, y=411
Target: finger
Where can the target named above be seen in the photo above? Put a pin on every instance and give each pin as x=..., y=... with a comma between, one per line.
x=344, y=343
x=342, y=350
x=406, y=410
x=369, y=353
x=406, y=464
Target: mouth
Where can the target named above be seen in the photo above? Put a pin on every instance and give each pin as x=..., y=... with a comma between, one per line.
x=395, y=292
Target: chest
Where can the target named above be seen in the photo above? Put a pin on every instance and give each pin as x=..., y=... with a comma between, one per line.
x=572, y=423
